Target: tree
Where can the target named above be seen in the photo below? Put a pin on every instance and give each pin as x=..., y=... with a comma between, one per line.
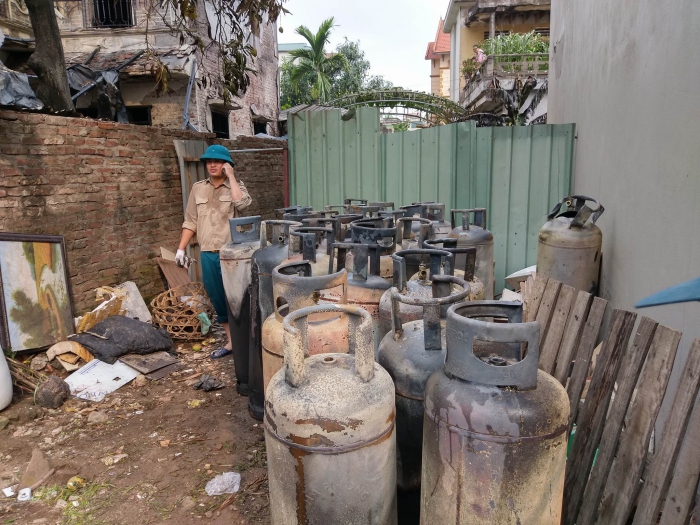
x=353, y=79
x=314, y=62
x=47, y=60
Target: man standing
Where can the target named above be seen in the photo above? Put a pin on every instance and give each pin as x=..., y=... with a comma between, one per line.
x=211, y=204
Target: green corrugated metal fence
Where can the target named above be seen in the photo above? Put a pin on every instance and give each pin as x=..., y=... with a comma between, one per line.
x=517, y=173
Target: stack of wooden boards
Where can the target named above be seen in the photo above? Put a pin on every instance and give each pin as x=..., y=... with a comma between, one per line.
x=612, y=476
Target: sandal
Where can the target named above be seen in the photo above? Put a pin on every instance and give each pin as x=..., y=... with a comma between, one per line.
x=221, y=352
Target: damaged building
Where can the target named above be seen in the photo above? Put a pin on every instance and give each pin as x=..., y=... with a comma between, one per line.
x=113, y=51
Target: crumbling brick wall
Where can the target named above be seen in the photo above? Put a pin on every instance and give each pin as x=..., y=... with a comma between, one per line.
x=113, y=191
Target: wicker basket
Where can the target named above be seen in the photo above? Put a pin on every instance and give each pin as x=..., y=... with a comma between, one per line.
x=179, y=317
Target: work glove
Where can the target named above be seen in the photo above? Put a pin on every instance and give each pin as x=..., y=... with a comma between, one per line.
x=181, y=259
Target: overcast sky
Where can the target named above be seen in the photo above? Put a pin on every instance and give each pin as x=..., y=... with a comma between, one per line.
x=394, y=34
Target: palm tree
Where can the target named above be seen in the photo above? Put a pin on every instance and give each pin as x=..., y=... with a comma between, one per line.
x=315, y=62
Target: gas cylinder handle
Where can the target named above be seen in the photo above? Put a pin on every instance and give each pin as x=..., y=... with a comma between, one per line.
x=479, y=217
x=371, y=231
x=280, y=212
x=307, y=235
x=239, y=237
x=329, y=207
x=383, y=205
x=435, y=211
x=406, y=231
x=362, y=253
x=360, y=202
x=360, y=337
x=583, y=211
x=328, y=214
x=315, y=222
x=463, y=329
x=436, y=259
x=276, y=224
x=450, y=245
x=294, y=283
x=432, y=308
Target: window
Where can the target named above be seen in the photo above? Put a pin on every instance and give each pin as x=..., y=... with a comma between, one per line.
x=219, y=123
x=259, y=127
x=111, y=13
x=140, y=115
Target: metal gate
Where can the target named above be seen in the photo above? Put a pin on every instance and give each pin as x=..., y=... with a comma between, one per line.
x=518, y=173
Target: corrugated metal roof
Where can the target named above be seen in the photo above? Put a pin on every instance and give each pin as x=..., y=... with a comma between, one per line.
x=286, y=48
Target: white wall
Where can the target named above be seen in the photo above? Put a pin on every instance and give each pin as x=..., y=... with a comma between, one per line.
x=626, y=72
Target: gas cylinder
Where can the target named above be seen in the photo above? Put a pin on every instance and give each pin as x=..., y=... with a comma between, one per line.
x=411, y=238
x=466, y=272
x=410, y=352
x=365, y=285
x=263, y=261
x=569, y=248
x=475, y=235
x=494, y=433
x=310, y=244
x=329, y=430
x=296, y=287
x=380, y=231
x=435, y=211
x=236, y=274
x=440, y=263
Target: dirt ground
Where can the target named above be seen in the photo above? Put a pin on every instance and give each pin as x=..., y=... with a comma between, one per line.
x=172, y=451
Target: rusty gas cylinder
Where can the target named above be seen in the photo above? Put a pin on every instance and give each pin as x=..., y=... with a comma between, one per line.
x=329, y=430
x=494, y=433
x=365, y=285
x=475, y=235
x=295, y=287
x=310, y=243
x=439, y=263
x=236, y=275
x=466, y=272
x=410, y=352
x=569, y=248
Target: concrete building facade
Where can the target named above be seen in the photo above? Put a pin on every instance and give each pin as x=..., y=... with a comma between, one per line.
x=623, y=72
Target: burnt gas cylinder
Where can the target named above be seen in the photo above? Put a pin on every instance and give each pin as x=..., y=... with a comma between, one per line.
x=365, y=285
x=294, y=210
x=435, y=212
x=475, y=235
x=329, y=430
x=569, y=248
x=310, y=244
x=439, y=263
x=466, y=272
x=296, y=287
x=380, y=231
x=494, y=433
x=410, y=352
x=236, y=275
x=270, y=255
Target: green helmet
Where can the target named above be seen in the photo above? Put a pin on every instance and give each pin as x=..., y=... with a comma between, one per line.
x=217, y=152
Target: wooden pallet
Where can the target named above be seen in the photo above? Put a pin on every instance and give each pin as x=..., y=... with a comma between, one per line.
x=614, y=424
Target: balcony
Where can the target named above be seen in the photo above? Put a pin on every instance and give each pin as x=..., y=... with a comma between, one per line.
x=133, y=15
x=477, y=94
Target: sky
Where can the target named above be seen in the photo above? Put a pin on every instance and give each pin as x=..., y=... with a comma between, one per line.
x=394, y=34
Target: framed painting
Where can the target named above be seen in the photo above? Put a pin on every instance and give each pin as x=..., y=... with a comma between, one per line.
x=36, y=310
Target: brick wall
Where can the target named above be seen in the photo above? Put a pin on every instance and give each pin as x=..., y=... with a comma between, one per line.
x=113, y=191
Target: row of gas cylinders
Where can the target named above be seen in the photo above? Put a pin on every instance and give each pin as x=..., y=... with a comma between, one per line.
x=381, y=367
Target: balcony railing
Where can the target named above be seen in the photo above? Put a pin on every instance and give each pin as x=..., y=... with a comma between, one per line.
x=506, y=66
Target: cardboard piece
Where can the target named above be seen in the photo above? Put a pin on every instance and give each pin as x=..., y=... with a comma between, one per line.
x=174, y=275
x=37, y=470
x=148, y=363
x=97, y=379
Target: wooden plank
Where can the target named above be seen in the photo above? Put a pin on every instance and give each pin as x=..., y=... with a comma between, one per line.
x=681, y=493
x=589, y=425
x=175, y=275
x=572, y=336
x=655, y=487
x=584, y=352
x=552, y=341
x=622, y=485
x=544, y=312
x=536, y=297
x=626, y=382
